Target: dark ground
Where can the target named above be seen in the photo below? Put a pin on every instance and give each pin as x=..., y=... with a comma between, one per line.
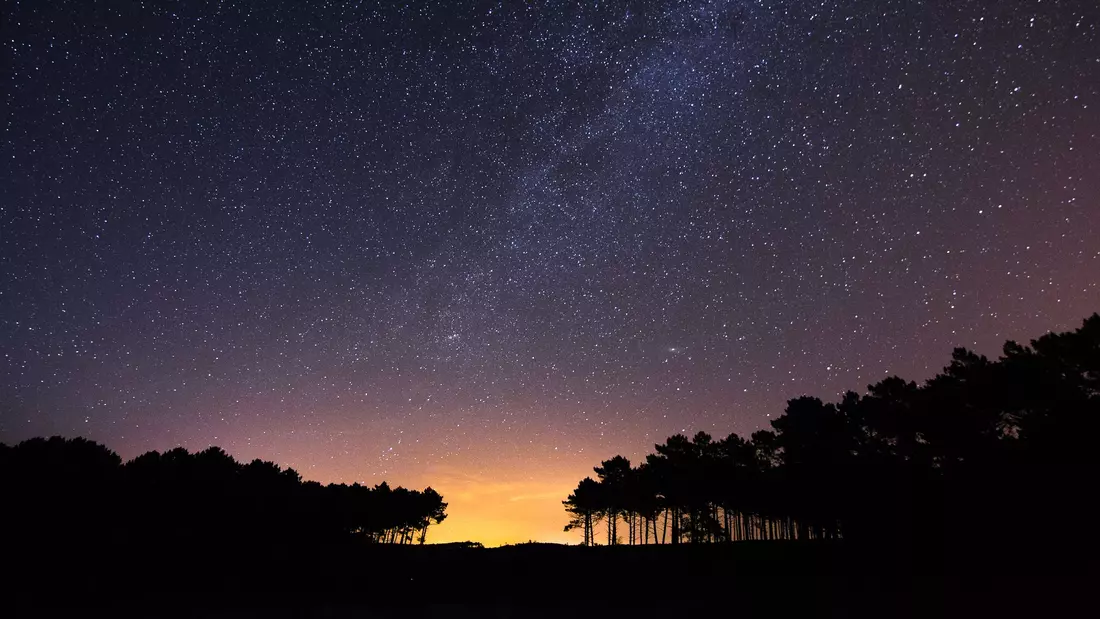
x=746, y=578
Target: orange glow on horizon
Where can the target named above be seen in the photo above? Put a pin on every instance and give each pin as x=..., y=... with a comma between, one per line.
x=498, y=510
x=498, y=491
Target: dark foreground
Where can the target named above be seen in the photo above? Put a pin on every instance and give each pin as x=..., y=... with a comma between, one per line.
x=745, y=579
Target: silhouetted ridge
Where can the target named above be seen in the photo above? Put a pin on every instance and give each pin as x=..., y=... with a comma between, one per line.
x=982, y=453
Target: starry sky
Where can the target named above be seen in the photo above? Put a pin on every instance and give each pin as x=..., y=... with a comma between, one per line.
x=486, y=246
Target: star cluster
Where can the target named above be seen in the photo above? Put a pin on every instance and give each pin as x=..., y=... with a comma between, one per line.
x=484, y=245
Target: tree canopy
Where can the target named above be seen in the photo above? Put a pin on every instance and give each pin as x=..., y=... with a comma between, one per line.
x=78, y=493
x=952, y=456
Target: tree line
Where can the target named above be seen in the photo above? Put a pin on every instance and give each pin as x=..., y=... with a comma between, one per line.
x=986, y=449
x=75, y=493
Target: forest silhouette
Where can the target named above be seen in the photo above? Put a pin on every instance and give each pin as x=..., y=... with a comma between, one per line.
x=934, y=499
x=987, y=450
x=71, y=495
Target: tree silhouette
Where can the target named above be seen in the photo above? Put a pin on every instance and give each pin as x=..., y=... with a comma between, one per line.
x=903, y=461
x=179, y=501
x=585, y=505
x=613, y=478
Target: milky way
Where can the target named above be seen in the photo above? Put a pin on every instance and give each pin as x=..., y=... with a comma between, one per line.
x=487, y=246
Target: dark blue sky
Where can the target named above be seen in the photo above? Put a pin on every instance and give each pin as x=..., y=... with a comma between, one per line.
x=513, y=239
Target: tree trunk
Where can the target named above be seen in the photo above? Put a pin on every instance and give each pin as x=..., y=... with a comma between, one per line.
x=675, y=526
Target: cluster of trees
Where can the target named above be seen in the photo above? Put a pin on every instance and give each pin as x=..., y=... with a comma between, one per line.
x=71, y=492
x=986, y=449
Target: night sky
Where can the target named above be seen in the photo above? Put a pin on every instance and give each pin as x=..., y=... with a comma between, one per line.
x=485, y=247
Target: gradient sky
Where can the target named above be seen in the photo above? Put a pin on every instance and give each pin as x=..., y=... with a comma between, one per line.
x=485, y=247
